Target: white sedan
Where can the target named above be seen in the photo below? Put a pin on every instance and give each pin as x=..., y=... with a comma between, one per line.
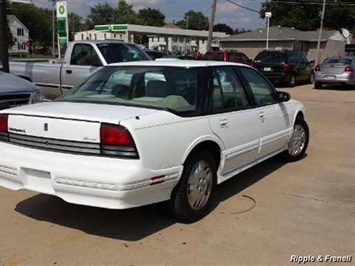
x=144, y=132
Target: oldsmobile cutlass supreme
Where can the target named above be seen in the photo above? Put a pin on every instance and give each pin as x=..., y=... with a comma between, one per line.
x=144, y=132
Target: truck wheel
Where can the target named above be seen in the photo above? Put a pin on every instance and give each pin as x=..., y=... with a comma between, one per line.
x=298, y=143
x=192, y=197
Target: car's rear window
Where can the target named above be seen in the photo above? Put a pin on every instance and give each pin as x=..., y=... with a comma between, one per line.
x=172, y=88
x=121, y=52
x=270, y=57
x=214, y=57
x=345, y=61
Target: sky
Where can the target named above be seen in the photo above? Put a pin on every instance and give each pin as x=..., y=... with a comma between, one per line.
x=174, y=10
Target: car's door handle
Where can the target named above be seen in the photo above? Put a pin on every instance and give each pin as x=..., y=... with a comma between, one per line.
x=223, y=123
x=262, y=116
x=69, y=71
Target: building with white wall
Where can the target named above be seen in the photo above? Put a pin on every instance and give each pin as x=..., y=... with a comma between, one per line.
x=20, y=35
x=160, y=38
x=99, y=35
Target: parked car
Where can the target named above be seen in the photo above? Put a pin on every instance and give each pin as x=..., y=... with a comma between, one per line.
x=15, y=91
x=182, y=56
x=286, y=66
x=228, y=56
x=81, y=59
x=154, y=54
x=144, y=132
x=336, y=70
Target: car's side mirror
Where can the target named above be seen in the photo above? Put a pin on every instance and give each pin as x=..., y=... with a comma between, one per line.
x=283, y=96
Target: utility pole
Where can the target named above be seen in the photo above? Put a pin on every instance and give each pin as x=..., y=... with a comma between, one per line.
x=210, y=29
x=4, y=39
x=53, y=27
x=320, y=33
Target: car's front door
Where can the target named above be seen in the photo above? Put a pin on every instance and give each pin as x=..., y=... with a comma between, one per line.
x=276, y=125
x=84, y=61
x=233, y=120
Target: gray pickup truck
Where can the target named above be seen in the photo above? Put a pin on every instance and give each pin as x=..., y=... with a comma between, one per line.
x=81, y=59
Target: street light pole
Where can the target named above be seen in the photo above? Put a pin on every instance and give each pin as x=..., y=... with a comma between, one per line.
x=268, y=15
x=320, y=33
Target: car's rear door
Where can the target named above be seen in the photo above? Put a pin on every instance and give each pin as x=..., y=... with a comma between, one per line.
x=275, y=123
x=233, y=119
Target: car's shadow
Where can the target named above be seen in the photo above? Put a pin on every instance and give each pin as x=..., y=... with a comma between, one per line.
x=132, y=224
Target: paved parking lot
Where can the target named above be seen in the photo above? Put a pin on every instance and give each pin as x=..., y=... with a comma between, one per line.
x=264, y=215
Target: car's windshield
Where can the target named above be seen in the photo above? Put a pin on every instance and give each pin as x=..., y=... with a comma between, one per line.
x=345, y=61
x=121, y=52
x=270, y=57
x=170, y=88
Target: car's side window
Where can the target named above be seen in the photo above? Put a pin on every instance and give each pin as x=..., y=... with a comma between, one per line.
x=228, y=93
x=84, y=55
x=304, y=59
x=263, y=92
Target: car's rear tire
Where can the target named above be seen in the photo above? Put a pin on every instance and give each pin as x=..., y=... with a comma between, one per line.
x=298, y=143
x=192, y=197
x=318, y=85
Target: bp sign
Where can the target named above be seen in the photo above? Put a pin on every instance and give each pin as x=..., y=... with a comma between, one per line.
x=62, y=22
x=61, y=17
x=61, y=10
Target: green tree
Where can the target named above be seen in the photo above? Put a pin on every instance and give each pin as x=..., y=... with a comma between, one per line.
x=125, y=13
x=223, y=28
x=306, y=16
x=151, y=17
x=75, y=24
x=37, y=20
x=101, y=14
x=194, y=21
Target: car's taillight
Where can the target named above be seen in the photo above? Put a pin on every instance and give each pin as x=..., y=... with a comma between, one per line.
x=317, y=68
x=285, y=67
x=117, y=141
x=348, y=69
x=4, y=134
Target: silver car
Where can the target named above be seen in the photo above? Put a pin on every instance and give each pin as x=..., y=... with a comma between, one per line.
x=15, y=91
x=336, y=70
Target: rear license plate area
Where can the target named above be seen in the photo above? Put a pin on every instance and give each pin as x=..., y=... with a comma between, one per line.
x=267, y=69
x=329, y=77
x=37, y=180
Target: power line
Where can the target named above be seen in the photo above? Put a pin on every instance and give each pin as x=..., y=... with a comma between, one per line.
x=244, y=7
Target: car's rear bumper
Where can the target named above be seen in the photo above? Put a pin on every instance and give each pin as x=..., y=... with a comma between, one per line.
x=347, y=78
x=85, y=180
x=277, y=77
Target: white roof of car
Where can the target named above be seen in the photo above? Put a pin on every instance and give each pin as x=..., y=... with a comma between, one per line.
x=178, y=63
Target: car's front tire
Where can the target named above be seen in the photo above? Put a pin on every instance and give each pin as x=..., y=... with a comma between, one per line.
x=298, y=143
x=192, y=197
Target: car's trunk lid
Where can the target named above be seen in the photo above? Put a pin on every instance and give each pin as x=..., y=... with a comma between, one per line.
x=78, y=122
x=337, y=68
